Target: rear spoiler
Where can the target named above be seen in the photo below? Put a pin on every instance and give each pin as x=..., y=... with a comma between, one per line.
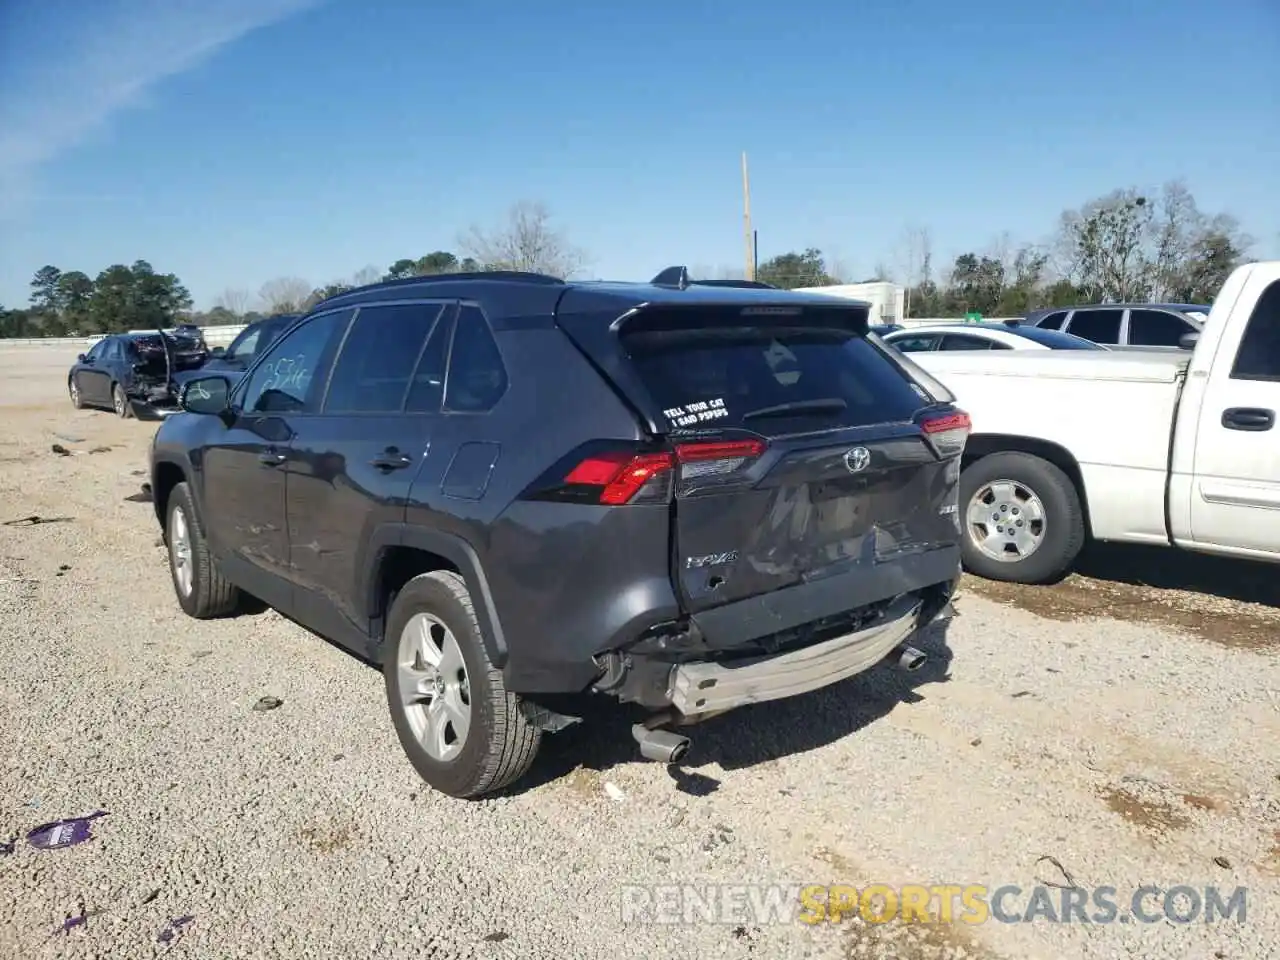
x=678, y=278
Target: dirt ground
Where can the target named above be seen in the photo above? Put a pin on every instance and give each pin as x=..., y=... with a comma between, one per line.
x=1120, y=729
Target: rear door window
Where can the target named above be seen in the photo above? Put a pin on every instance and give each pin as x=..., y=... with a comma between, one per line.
x=761, y=377
x=966, y=341
x=1053, y=321
x=1156, y=328
x=920, y=343
x=1100, y=326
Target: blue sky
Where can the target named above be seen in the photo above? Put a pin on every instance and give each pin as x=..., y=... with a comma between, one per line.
x=233, y=141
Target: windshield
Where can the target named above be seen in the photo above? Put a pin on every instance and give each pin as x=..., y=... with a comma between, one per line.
x=253, y=339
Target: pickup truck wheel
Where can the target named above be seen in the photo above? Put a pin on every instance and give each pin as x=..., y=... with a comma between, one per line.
x=202, y=591
x=464, y=733
x=1022, y=519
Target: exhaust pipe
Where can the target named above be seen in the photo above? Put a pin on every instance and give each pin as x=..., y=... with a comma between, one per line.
x=908, y=658
x=663, y=746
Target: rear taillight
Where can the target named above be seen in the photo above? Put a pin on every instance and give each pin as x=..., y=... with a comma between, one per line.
x=625, y=477
x=618, y=477
x=716, y=459
x=948, y=432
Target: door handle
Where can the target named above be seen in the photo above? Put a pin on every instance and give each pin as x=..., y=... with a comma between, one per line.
x=1255, y=419
x=271, y=457
x=391, y=459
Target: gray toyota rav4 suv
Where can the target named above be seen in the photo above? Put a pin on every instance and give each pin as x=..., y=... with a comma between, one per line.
x=512, y=491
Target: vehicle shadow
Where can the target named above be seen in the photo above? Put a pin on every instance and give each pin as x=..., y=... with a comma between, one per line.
x=748, y=736
x=1136, y=565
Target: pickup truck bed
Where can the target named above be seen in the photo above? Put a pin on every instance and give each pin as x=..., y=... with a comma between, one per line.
x=1177, y=449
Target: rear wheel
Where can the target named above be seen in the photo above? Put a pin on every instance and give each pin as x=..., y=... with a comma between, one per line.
x=1022, y=519
x=462, y=730
x=73, y=387
x=202, y=591
x=119, y=402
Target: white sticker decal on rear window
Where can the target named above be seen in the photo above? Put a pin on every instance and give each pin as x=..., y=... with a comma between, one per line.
x=699, y=411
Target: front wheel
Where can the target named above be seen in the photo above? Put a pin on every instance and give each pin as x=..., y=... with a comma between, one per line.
x=73, y=387
x=462, y=730
x=203, y=592
x=1023, y=521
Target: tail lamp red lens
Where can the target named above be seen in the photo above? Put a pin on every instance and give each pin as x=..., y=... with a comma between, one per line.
x=622, y=475
x=947, y=432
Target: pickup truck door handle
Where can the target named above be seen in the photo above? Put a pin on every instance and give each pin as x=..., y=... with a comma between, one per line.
x=271, y=457
x=391, y=459
x=1248, y=418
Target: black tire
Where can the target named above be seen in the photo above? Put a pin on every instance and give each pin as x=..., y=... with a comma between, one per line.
x=1064, y=528
x=120, y=403
x=211, y=594
x=500, y=744
x=73, y=389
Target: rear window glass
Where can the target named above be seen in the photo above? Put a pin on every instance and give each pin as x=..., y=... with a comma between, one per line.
x=767, y=377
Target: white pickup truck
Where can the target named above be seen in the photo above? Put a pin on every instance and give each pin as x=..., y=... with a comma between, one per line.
x=1174, y=449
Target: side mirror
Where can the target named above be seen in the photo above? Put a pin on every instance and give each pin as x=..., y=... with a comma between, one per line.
x=206, y=395
x=1189, y=339
x=217, y=351
x=81, y=358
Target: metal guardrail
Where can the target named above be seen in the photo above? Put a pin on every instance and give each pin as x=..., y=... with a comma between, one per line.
x=214, y=336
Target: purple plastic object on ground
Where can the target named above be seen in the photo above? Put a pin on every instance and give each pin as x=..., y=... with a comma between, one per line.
x=173, y=929
x=63, y=833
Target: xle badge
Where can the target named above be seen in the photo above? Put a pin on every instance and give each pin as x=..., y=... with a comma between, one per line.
x=711, y=560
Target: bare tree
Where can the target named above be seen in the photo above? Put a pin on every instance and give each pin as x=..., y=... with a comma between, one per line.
x=234, y=300
x=367, y=275
x=526, y=242
x=284, y=294
x=915, y=255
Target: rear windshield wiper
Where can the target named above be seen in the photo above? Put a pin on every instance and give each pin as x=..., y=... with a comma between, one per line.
x=798, y=408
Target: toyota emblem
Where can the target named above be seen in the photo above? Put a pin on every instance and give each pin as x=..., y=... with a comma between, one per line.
x=857, y=459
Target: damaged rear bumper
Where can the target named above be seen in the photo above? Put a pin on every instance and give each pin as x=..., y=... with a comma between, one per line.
x=712, y=687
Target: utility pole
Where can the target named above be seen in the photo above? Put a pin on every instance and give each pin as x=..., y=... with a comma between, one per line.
x=746, y=220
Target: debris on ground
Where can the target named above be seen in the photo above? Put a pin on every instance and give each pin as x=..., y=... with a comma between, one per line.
x=614, y=791
x=151, y=896
x=68, y=438
x=63, y=833
x=32, y=520
x=60, y=450
x=1223, y=862
x=100, y=450
x=73, y=920
x=7, y=846
x=267, y=703
x=173, y=928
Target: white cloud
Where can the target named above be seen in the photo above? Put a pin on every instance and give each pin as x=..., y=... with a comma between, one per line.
x=62, y=86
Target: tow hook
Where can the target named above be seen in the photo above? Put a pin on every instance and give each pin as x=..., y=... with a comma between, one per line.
x=664, y=746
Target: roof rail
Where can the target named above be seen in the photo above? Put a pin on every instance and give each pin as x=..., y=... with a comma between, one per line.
x=678, y=277
x=518, y=276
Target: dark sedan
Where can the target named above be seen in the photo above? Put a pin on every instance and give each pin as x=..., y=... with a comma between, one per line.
x=250, y=342
x=126, y=372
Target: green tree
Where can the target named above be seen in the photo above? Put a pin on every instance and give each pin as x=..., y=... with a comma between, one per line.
x=44, y=289
x=791, y=270
x=111, y=306
x=977, y=284
x=74, y=294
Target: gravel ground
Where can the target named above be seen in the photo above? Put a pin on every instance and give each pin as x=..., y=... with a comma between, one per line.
x=1130, y=752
